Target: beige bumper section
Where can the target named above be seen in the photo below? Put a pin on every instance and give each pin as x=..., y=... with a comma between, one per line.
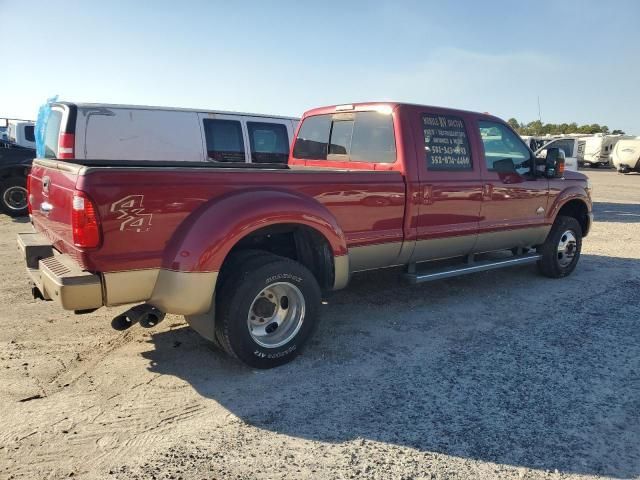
x=58, y=277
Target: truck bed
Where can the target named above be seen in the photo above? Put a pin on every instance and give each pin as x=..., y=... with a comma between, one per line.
x=145, y=206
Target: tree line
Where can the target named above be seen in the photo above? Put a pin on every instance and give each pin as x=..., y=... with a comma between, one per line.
x=538, y=128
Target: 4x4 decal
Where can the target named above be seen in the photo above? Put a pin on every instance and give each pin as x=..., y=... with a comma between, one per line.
x=131, y=212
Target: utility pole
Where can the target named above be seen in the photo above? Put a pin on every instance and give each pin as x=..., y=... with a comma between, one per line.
x=539, y=114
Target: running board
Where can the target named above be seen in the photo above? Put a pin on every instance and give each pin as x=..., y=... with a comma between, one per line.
x=472, y=267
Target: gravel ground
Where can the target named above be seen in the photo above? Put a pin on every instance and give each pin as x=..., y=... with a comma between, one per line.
x=500, y=374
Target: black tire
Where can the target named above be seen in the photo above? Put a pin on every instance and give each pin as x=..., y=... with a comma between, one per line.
x=13, y=196
x=556, y=264
x=238, y=297
x=230, y=266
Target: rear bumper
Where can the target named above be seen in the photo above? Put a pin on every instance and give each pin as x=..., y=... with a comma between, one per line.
x=58, y=277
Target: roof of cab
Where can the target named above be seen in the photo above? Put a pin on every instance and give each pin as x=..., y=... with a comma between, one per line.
x=364, y=106
x=171, y=109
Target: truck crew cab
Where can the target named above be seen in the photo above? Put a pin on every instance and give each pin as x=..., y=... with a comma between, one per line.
x=244, y=251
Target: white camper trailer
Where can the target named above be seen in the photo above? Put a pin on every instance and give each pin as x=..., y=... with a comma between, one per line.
x=626, y=155
x=598, y=149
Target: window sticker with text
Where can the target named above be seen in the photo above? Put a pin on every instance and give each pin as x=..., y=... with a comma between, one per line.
x=446, y=143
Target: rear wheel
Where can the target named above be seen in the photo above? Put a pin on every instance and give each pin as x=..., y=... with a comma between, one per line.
x=13, y=196
x=267, y=309
x=561, y=250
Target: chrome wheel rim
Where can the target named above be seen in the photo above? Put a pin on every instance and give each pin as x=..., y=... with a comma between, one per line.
x=567, y=248
x=276, y=315
x=15, y=198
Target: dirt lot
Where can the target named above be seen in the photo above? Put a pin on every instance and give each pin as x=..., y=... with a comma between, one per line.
x=499, y=374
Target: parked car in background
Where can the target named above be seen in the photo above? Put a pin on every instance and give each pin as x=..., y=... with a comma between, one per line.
x=21, y=133
x=243, y=251
x=626, y=155
x=111, y=132
x=569, y=145
x=15, y=163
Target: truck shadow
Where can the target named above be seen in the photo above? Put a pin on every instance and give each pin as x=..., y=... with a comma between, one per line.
x=616, y=212
x=506, y=367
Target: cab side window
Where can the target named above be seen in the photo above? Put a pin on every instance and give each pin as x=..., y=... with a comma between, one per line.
x=502, y=145
x=349, y=137
x=269, y=142
x=224, y=140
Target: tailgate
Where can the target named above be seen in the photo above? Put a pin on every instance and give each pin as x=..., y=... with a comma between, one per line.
x=51, y=196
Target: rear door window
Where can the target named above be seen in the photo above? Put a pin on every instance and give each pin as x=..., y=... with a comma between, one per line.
x=269, y=142
x=355, y=137
x=52, y=134
x=29, y=133
x=224, y=140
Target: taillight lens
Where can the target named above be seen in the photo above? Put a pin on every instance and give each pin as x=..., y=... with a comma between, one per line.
x=84, y=221
x=66, y=143
x=29, y=199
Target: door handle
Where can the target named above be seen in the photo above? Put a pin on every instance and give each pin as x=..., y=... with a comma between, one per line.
x=487, y=191
x=427, y=195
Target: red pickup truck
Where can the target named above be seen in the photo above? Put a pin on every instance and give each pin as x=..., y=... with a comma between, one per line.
x=244, y=251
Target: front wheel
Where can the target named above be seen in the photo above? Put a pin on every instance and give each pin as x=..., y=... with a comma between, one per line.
x=561, y=250
x=267, y=309
x=13, y=196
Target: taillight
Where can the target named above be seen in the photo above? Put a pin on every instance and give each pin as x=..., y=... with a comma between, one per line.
x=84, y=221
x=29, y=196
x=66, y=143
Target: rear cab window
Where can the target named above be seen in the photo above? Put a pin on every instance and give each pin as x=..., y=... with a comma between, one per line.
x=365, y=137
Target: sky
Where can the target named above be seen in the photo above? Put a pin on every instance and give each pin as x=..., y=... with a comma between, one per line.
x=581, y=58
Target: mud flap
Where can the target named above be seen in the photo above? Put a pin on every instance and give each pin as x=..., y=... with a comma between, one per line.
x=205, y=323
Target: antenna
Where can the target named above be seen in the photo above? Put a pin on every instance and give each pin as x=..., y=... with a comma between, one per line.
x=539, y=114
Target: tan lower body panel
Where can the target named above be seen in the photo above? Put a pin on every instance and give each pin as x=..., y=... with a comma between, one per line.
x=129, y=286
x=388, y=254
x=518, y=237
x=341, y=272
x=370, y=257
x=183, y=293
x=446, y=247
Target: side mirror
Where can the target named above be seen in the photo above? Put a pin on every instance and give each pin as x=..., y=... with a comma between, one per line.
x=554, y=163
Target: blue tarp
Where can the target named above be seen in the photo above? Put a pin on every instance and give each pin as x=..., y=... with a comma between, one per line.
x=41, y=125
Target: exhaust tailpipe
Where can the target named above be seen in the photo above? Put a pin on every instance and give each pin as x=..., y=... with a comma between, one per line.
x=146, y=315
